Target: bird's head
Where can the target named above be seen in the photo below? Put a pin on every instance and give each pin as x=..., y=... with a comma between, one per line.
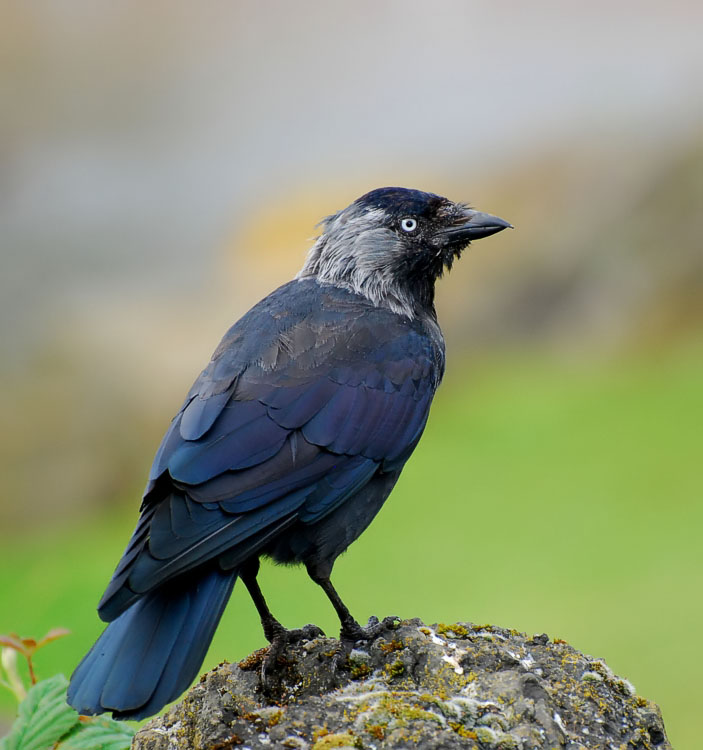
x=392, y=244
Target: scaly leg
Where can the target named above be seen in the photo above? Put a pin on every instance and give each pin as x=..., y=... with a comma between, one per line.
x=278, y=636
x=350, y=631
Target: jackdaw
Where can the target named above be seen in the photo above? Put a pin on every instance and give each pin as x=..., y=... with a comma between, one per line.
x=286, y=446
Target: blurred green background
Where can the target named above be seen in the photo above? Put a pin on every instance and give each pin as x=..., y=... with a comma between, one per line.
x=162, y=167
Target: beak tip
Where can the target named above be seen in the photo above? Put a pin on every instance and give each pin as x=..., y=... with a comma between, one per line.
x=497, y=222
x=484, y=225
x=475, y=225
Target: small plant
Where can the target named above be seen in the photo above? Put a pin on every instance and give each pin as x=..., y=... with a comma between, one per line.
x=44, y=720
x=12, y=645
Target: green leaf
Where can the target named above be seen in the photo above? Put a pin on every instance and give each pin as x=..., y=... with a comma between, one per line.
x=99, y=733
x=43, y=717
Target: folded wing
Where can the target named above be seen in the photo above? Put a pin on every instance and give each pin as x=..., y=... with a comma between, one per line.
x=277, y=433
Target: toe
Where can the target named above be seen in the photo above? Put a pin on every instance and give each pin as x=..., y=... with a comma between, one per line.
x=353, y=632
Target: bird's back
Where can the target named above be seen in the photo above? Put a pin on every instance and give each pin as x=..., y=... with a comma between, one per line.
x=308, y=397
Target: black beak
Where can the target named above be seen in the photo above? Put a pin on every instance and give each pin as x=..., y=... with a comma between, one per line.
x=473, y=225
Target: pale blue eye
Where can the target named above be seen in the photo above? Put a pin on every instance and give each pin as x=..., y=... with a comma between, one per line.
x=408, y=225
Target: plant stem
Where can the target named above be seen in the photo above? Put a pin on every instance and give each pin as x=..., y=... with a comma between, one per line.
x=32, y=676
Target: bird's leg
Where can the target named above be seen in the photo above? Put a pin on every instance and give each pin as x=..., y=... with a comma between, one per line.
x=278, y=636
x=350, y=630
x=269, y=623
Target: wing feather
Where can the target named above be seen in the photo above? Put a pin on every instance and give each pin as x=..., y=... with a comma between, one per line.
x=299, y=408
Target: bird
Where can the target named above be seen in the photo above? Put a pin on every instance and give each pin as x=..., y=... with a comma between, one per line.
x=286, y=446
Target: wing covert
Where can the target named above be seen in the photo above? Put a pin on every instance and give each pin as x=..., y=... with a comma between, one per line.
x=287, y=422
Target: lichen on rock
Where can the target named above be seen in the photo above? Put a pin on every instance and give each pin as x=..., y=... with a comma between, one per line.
x=440, y=686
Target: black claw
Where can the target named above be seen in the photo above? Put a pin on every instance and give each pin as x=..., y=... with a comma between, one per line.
x=352, y=632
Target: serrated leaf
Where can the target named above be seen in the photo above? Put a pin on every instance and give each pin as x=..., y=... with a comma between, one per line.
x=99, y=733
x=43, y=717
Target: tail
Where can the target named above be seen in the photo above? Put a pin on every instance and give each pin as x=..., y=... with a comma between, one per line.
x=150, y=654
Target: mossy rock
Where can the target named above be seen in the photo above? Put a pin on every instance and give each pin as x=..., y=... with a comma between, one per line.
x=419, y=686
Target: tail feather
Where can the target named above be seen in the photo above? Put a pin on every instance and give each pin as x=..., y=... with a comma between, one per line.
x=194, y=639
x=150, y=654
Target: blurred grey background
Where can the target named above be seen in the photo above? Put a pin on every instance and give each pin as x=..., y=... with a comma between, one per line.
x=163, y=165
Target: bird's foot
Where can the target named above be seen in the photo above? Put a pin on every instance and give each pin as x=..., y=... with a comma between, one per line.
x=352, y=632
x=275, y=661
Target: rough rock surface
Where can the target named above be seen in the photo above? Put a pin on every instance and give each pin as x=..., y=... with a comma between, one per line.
x=416, y=686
